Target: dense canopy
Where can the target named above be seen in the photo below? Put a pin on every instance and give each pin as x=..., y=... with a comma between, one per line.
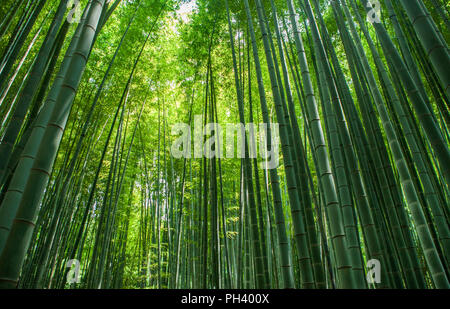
x=224, y=144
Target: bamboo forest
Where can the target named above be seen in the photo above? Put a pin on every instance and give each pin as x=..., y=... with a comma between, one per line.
x=224, y=144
